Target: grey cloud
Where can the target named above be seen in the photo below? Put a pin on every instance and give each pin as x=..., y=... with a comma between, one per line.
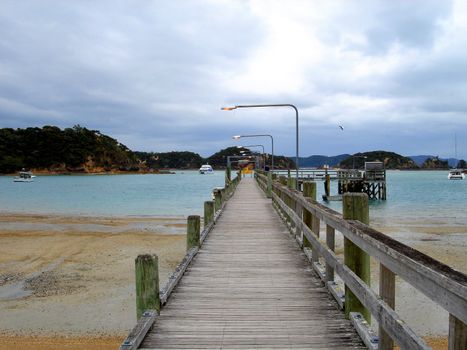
x=152, y=73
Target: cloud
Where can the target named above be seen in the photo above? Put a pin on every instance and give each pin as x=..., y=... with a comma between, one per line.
x=154, y=74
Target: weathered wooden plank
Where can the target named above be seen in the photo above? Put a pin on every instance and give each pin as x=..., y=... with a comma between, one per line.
x=250, y=288
x=441, y=283
x=386, y=317
x=137, y=334
x=177, y=275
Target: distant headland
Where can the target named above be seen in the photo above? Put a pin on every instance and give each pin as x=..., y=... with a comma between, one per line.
x=51, y=150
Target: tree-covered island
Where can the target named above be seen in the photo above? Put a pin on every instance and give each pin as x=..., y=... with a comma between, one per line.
x=80, y=150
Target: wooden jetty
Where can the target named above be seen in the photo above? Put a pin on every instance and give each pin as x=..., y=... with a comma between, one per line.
x=254, y=279
x=369, y=181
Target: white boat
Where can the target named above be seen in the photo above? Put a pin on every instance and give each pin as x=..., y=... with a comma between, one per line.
x=206, y=169
x=24, y=176
x=456, y=174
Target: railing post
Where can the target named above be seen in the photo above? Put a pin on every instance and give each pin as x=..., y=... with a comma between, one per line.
x=228, y=178
x=269, y=185
x=457, y=334
x=223, y=196
x=387, y=292
x=147, y=284
x=309, y=191
x=217, y=199
x=327, y=185
x=355, y=207
x=208, y=212
x=192, y=231
x=316, y=222
x=283, y=180
x=331, y=243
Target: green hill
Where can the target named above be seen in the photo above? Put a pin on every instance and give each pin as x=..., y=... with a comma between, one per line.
x=172, y=160
x=390, y=160
x=74, y=149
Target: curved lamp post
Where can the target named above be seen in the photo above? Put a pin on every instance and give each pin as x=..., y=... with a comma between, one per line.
x=296, y=126
x=238, y=137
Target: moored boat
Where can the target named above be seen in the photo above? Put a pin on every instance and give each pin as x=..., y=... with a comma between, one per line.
x=206, y=169
x=456, y=174
x=24, y=176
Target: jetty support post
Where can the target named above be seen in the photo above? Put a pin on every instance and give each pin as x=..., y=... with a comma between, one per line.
x=327, y=184
x=283, y=180
x=208, y=212
x=309, y=191
x=457, y=339
x=217, y=199
x=192, y=232
x=269, y=185
x=147, y=284
x=355, y=207
x=291, y=203
x=331, y=243
x=228, y=174
x=291, y=182
x=387, y=292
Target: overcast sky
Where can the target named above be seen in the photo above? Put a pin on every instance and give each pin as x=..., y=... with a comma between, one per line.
x=154, y=74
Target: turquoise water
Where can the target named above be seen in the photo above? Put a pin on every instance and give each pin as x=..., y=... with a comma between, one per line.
x=423, y=196
x=179, y=194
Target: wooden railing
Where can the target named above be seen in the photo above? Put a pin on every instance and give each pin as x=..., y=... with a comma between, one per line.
x=149, y=298
x=439, y=282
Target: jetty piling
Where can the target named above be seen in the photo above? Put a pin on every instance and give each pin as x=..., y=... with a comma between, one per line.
x=192, y=232
x=208, y=212
x=355, y=207
x=309, y=191
x=249, y=286
x=147, y=284
x=445, y=286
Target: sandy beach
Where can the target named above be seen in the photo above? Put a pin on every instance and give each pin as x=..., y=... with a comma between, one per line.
x=66, y=282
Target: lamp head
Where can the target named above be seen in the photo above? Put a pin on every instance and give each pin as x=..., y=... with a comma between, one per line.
x=236, y=137
x=228, y=108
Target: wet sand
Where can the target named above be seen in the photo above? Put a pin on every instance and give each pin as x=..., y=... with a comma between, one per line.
x=74, y=284
x=68, y=282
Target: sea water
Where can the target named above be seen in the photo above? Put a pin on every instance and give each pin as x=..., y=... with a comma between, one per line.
x=422, y=196
x=179, y=194
x=414, y=199
x=416, y=196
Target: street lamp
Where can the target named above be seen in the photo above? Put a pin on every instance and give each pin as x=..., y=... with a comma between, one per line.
x=255, y=146
x=296, y=126
x=238, y=137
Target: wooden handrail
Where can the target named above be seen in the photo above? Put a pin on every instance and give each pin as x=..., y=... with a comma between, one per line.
x=444, y=285
x=145, y=322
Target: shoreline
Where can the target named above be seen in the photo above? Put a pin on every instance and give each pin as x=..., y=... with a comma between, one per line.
x=78, y=272
x=71, y=279
x=39, y=172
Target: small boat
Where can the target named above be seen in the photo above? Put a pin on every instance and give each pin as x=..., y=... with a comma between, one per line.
x=24, y=176
x=206, y=169
x=456, y=174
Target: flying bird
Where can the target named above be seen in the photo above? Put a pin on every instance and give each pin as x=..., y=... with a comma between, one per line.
x=342, y=128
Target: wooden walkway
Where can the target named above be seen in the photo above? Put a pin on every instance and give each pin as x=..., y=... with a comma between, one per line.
x=251, y=287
